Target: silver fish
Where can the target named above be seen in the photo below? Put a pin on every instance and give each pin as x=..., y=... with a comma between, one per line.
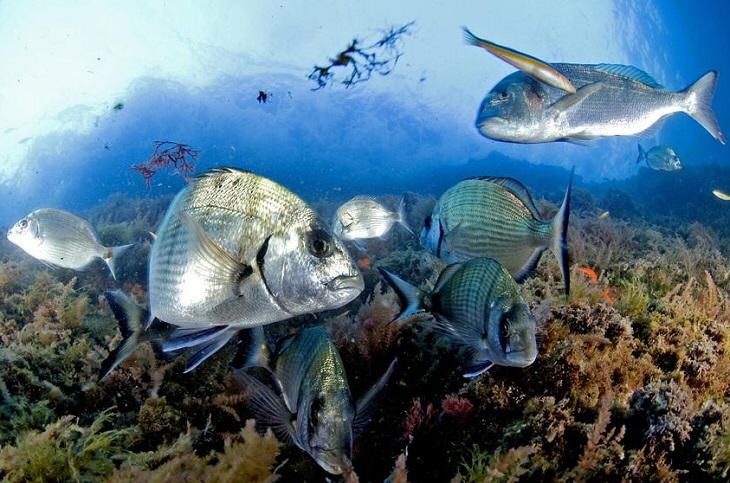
x=659, y=158
x=363, y=217
x=61, y=239
x=479, y=305
x=497, y=218
x=314, y=409
x=236, y=250
x=611, y=100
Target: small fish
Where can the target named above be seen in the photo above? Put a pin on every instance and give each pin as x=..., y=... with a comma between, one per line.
x=363, y=217
x=61, y=239
x=611, y=100
x=721, y=195
x=315, y=409
x=235, y=251
x=118, y=106
x=604, y=215
x=477, y=304
x=659, y=158
x=497, y=218
x=535, y=68
x=590, y=273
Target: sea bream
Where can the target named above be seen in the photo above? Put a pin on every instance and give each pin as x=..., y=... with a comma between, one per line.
x=236, y=250
x=61, y=239
x=659, y=158
x=313, y=407
x=496, y=217
x=364, y=217
x=476, y=304
x=611, y=100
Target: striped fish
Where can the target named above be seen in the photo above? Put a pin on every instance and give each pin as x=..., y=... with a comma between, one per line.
x=62, y=239
x=497, y=218
x=477, y=304
x=315, y=409
x=236, y=250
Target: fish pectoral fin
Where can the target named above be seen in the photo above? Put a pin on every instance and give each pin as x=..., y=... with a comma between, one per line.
x=187, y=338
x=209, y=348
x=446, y=275
x=476, y=368
x=364, y=406
x=267, y=406
x=218, y=266
x=571, y=101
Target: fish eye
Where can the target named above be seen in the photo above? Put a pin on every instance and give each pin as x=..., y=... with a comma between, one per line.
x=427, y=222
x=23, y=223
x=503, y=95
x=320, y=244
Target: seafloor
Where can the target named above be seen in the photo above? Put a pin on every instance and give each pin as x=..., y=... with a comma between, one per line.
x=631, y=382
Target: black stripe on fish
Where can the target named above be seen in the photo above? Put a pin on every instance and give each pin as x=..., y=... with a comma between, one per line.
x=441, y=239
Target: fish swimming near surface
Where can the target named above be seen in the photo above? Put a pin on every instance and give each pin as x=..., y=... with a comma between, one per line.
x=721, y=195
x=478, y=304
x=313, y=406
x=496, y=218
x=363, y=217
x=659, y=158
x=235, y=251
x=611, y=100
x=62, y=239
x=535, y=68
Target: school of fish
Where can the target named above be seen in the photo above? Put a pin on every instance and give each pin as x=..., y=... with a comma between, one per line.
x=236, y=252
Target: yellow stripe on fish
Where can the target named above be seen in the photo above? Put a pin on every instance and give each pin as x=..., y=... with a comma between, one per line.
x=536, y=68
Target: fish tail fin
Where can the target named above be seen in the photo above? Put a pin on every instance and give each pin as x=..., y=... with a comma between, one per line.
x=129, y=315
x=642, y=154
x=411, y=298
x=699, y=104
x=559, y=235
x=113, y=254
x=402, y=215
x=472, y=39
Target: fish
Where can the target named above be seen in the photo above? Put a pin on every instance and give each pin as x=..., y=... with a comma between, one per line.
x=590, y=273
x=313, y=406
x=603, y=215
x=659, y=158
x=477, y=304
x=721, y=195
x=535, y=68
x=611, y=100
x=61, y=239
x=497, y=218
x=236, y=250
x=363, y=217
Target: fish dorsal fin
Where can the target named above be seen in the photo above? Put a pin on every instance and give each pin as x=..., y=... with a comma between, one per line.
x=219, y=171
x=364, y=406
x=446, y=275
x=293, y=363
x=629, y=72
x=517, y=188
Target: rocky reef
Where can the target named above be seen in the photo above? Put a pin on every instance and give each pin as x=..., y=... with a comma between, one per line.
x=631, y=382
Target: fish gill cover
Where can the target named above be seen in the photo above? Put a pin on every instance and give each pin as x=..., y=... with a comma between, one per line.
x=110, y=120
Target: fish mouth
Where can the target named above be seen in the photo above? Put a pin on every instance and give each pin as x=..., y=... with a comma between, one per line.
x=346, y=282
x=515, y=350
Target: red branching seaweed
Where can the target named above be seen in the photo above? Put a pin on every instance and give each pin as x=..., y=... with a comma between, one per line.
x=457, y=407
x=417, y=417
x=168, y=153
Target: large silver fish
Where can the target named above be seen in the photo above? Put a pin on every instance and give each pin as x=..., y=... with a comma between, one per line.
x=496, y=218
x=611, y=100
x=659, y=158
x=363, y=217
x=314, y=409
x=236, y=250
x=61, y=239
x=479, y=305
